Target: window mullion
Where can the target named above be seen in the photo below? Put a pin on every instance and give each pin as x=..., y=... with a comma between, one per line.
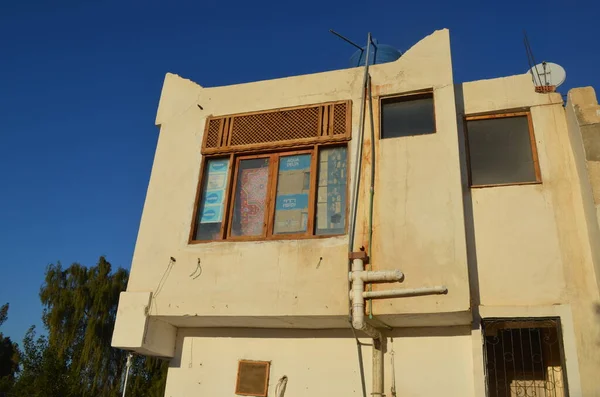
x=231, y=196
x=312, y=192
x=271, y=194
x=227, y=198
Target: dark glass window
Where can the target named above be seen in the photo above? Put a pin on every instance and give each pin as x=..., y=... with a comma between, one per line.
x=501, y=150
x=407, y=115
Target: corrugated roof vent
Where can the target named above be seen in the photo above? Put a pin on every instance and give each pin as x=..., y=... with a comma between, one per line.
x=252, y=378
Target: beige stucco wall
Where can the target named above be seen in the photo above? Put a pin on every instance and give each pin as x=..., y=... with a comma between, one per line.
x=527, y=246
x=516, y=231
x=418, y=223
x=531, y=241
x=286, y=283
x=321, y=362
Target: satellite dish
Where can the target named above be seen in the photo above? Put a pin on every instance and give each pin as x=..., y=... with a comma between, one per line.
x=548, y=74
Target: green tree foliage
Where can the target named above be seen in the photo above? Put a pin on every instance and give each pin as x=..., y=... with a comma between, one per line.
x=43, y=373
x=9, y=356
x=76, y=358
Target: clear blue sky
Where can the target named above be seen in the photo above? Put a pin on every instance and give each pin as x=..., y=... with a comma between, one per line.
x=80, y=82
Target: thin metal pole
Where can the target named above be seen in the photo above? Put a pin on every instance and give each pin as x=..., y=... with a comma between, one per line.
x=357, y=165
x=347, y=40
x=358, y=157
x=127, y=368
x=372, y=189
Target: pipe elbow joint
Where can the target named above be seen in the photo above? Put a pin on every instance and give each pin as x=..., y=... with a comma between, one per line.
x=358, y=324
x=399, y=276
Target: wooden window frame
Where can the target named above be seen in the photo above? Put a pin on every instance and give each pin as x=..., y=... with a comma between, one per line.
x=406, y=97
x=274, y=155
x=534, y=151
x=324, y=133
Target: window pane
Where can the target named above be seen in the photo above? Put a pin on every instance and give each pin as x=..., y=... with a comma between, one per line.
x=405, y=116
x=293, y=187
x=250, y=198
x=500, y=151
x=331, y=192
x=212, y=200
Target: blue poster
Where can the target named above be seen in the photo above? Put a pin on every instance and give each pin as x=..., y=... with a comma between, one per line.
x=294, y=163
x=288, y=202
x=214, y=191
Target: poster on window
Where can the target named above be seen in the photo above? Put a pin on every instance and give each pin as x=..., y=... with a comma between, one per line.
x=293, y=185
x=331, y=191
x=213, y=195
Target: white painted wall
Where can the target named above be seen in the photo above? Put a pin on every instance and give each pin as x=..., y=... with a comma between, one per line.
x=427, y=362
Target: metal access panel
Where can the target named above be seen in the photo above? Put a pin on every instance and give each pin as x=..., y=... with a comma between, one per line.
x=252, y=378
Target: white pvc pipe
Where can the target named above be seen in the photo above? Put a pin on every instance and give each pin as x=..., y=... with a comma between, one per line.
x=358, y=287
x=128, y=367
x=358, y=277
x=398, y=293
x=384, y=275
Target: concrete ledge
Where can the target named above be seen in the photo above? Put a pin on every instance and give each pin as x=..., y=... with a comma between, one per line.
x=317, y=322
x=136, y=331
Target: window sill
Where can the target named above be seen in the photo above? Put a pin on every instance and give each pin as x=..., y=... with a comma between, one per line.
x=506, y=184
x=263, y=239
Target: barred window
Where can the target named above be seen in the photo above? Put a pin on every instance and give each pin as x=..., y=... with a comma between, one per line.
x=524, y=357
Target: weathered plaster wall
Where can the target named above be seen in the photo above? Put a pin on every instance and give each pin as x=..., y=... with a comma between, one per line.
x=321, y=362
x=517, y=237
x=418, y=223
x=281, y=283
x=583, y=119
x=532, y=241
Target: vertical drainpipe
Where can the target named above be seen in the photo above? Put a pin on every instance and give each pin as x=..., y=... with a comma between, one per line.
x=358, y=264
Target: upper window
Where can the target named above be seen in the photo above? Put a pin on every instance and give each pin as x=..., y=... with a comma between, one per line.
x=251, y=191
x=502, y=149
x=407, y=115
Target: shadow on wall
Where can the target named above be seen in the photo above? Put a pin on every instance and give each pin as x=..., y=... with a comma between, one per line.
x=597, y=310
x=308, y=334
x=467, y=206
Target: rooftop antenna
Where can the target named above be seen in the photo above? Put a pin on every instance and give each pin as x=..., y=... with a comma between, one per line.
x=378, y=53
x=347, y=40
x=547, y=76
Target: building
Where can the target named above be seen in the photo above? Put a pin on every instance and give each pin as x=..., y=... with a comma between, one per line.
x=487, y=191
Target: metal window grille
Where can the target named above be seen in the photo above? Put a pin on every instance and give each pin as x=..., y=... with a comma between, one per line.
x=524, y=357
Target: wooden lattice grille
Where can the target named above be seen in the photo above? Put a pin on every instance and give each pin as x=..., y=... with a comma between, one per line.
x=283, y=127
x=212, y=133
x=275, y=126
x=339, y=119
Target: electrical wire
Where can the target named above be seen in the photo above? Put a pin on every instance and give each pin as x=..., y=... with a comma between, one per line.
x=197, y=272
x=530, y=54
x=281, y=385
x=393, y=388
x=372, y=189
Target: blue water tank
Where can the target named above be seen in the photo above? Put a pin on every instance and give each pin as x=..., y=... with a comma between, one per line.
x=379, y=53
